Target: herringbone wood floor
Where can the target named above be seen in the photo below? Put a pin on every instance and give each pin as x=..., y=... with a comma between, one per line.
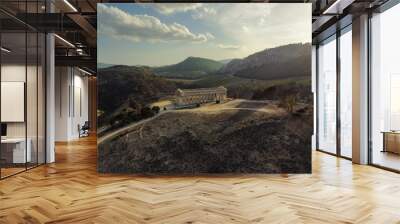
x=71, y=191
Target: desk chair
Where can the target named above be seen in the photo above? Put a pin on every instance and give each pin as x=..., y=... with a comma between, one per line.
x=84, y=130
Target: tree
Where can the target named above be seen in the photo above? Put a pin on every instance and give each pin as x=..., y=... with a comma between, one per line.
x=289, y=103
x=132, y=103
x=147, y=112
x=155, y=109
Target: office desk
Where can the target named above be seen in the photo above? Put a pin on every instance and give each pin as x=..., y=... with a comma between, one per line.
x=391, y=141
x=16, y=147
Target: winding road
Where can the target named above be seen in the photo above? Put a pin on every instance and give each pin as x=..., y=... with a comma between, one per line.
x=231, y=105
x=128, y=128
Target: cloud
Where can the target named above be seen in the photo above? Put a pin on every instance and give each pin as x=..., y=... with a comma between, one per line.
x=248, y=14
x=199, y=10
x=203, y=12
x=258, y=26
x=121, y=25
x=171, y=8
x=210, y=36
x=228, y=46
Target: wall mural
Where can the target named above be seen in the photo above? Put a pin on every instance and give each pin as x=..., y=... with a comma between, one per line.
x=197, y=88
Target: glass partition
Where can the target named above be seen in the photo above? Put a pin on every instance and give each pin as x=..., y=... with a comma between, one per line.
x=31, y=99
x=41, y=96
x=22, y=93
x=14, y=151
x=327, y=95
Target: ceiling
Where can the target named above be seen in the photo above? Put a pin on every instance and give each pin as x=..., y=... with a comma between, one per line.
x=332, y=15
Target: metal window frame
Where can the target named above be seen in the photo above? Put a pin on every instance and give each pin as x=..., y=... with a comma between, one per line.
x=381, y=9
x=387, y=5
x=337, y=34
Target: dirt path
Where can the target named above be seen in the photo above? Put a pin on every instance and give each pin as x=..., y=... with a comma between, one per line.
x=128, y=128
x=266, y=107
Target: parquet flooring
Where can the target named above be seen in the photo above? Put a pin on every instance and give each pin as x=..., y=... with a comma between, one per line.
x=11, y=170
x=71, y=191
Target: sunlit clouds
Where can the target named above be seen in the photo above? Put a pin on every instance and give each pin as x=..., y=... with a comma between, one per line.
x=158, y=34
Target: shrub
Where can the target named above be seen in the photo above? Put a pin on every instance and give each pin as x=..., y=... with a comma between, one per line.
x=289, y=102
x=155, y=109
x=147, y=112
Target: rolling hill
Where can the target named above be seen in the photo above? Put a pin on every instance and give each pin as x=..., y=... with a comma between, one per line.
x=293, y=60
x=248, y=88
x=226, y=61
x=190, y=68
x=103, y=65
x=249, y=137
x=118, y=84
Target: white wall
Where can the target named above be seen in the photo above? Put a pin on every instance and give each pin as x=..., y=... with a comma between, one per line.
x=81, y=105
x=71, y=94
x=62, y=81
x=16, y=73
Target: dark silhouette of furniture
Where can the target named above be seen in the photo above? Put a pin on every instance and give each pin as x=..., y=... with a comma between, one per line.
x=84, y=130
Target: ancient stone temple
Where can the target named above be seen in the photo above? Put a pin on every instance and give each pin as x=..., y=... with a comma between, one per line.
x=188, y=97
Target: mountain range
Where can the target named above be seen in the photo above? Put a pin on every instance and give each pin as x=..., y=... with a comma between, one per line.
x=190, y=68
x=286, y=61
x=293, y=60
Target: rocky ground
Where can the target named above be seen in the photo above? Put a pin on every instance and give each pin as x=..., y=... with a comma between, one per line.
x=236, y=137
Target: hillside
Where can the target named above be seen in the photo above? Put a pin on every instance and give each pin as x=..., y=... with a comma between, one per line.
x=103, y=65
x=226, y=61
x=120, y=85
x=190, y=68
x=293, y=60
x=247, y=88
x=245, y=137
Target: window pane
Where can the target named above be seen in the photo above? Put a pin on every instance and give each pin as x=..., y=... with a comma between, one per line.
x=346, y=94
x=385, y=90
x=314, y=82
x=327, y=96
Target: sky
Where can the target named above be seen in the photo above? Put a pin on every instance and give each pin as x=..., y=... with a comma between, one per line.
x=157, y=34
